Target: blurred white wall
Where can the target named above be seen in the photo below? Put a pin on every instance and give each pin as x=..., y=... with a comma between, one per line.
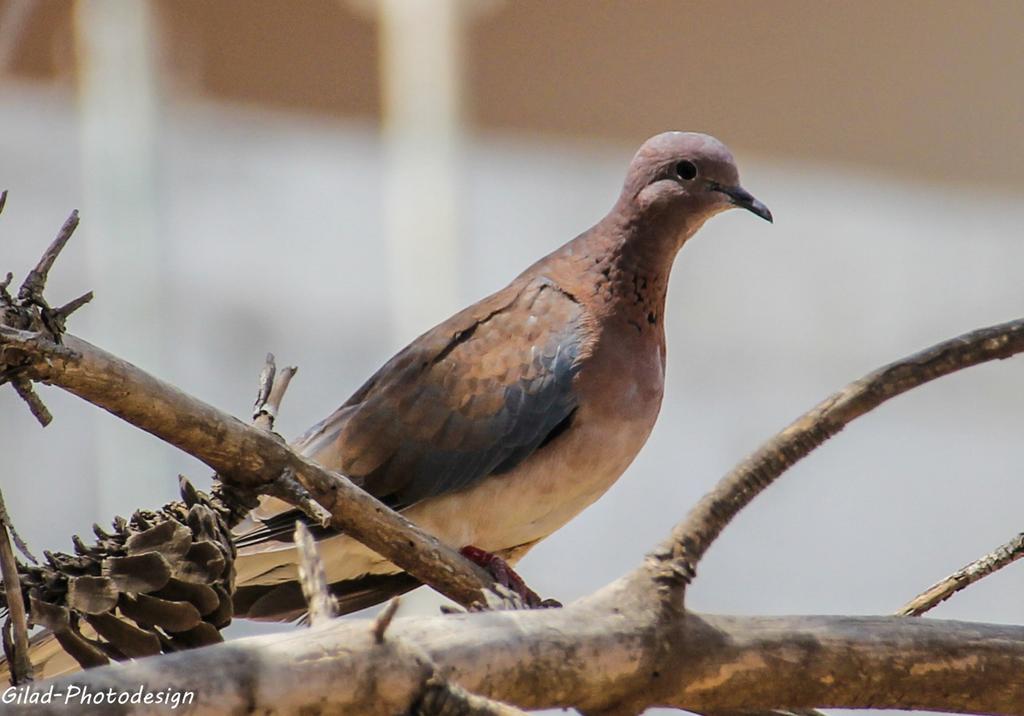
x=272, y=240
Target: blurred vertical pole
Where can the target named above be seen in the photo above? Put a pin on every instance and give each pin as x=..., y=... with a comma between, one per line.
x=118, y=105
x=421, y=57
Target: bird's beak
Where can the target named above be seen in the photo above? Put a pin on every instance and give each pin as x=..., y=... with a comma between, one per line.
x=743, y=198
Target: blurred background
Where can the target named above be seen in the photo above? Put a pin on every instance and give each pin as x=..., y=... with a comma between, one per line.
x=327, y=179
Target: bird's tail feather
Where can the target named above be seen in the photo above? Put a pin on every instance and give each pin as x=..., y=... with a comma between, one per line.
x=284, y=601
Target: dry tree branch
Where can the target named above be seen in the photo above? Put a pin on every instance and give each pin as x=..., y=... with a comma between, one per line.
x=242, y=455
x=16, y=652
x=246, y=458
x=964, y=577
x=597, y=657
x=674, y=563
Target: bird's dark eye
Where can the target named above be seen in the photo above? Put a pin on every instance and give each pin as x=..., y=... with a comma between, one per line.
x=686, y=170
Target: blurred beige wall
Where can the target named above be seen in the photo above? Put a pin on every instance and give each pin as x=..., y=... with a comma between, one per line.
x=921, y=88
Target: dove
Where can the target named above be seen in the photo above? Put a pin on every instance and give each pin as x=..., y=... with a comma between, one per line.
x=496, y=427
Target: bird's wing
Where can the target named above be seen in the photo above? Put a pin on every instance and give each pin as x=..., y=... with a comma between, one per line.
x=471, y=398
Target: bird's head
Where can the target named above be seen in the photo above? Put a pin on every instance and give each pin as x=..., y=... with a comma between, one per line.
x=684, y=178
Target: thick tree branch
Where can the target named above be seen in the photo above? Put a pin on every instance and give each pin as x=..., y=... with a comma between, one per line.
x=859, y=662
x=241, y=454
x=600, y=660
x=939, y=592
x=674, y=563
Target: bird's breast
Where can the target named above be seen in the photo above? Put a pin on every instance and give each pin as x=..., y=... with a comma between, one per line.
x=619, y=399
x=619, y=389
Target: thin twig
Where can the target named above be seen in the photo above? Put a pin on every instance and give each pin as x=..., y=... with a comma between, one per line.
x=286, y=487
x=281, y=383
x=964, y=577
x=5, y=297
x=31, y=290
x=674, y=563
x=21, y=667
x=23, y=387
x=261, y=418
x=71, y=306
x=383, y=620
x=272, y=387
x=312, y=579
x=273, y=384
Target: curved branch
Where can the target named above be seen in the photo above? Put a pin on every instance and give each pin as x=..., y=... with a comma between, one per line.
x=674, y=563
x=601, y=660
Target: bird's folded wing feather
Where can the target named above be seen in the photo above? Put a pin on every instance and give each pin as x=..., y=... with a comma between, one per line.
x=469, y=399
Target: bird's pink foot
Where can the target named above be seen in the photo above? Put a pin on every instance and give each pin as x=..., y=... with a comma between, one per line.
x=506, y=576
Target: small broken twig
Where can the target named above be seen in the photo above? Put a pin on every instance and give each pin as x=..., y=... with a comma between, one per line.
x=964, y=577
x=261, y=418
x=312, y=579
x=273, y=385
x=383, y=620
x=5, y=297
x=23, y=387
x=21, y=667
x=31, y=290
x=57, y=317
x=289, y=489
